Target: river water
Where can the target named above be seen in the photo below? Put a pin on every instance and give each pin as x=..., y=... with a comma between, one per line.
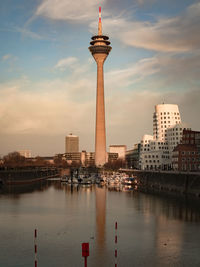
x=152, y=230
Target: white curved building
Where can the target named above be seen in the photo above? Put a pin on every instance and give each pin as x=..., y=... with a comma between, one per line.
x=165, y=116
x=156, y=150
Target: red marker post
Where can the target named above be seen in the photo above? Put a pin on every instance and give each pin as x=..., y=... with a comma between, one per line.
x=35, y=246
x=115, y=244
x=85, y=252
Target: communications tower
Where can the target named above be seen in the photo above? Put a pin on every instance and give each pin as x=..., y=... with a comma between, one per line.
x=100, y=48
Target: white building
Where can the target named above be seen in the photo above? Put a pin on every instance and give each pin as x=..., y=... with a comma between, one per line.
x=165, y=116
x=25, y=153
x=156, y=150
x=154, y=154
x=120, y=149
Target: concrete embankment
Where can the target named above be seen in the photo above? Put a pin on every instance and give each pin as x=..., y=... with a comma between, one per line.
x=25, y=176
x=178, y=183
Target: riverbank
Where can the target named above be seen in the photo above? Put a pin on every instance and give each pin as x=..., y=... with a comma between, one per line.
x=168, y=182
x=26, y=176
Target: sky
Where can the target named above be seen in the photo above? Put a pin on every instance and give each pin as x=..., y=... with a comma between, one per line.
x=48, y=76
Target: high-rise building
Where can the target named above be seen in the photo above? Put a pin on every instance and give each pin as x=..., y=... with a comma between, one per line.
x=100, y=48
x=165, y=116
x=71, y=143
x=156, y=150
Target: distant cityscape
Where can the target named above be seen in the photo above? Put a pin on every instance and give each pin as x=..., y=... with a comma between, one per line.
x=173, y=146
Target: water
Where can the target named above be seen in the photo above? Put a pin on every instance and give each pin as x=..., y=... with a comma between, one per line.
x=152, y=230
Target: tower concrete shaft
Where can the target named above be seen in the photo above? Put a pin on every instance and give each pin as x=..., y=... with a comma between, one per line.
x=100, y=49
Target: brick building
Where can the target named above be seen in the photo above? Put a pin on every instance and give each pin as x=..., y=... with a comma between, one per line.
x=186, y=156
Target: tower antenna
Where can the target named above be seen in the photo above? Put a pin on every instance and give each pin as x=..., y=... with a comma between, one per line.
x=100, y=25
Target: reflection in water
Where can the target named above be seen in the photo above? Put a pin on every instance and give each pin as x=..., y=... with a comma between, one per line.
x=153, y=230
x=15, y=191
x=168, y=238
x=171, y=208
x=100, y=193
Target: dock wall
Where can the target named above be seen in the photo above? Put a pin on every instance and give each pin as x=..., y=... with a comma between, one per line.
x=23, y=176
x=187, y=184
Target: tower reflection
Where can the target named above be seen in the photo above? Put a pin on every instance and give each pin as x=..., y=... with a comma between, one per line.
x=100, y=193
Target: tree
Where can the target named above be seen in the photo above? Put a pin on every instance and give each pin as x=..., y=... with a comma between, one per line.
x=40, y=162
x=115, y=164
x=14, y=159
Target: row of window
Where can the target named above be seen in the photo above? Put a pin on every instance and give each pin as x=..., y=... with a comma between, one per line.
x=169, y=122
x=164, y=113
x=154, y=161
x=190, y=167
x=189, y=152
x=173, y=134
x=165, y=118
x=189, y=159
x=149, y=156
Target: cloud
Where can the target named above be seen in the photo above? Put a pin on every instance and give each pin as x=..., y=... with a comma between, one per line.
x=55, y=107
x=79, y=10
x=64, y=63
x=134, y=73
x=9, y=58
x=28, y=33
x=6, y=57
x=176, y=34
x=165, y=34
x=46, y=111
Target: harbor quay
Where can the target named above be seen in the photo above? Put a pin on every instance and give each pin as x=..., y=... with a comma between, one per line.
x=168, y=182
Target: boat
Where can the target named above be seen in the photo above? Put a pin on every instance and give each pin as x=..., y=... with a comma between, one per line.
x=64, y=179
x=129, y=181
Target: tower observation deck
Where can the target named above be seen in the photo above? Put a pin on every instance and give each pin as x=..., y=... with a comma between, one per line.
x=100, y=48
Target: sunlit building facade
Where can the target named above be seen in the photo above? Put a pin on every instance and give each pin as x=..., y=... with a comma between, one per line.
x=156, y=150
x=71, y=143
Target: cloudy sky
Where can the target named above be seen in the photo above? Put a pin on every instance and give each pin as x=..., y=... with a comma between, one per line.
x=48, y=77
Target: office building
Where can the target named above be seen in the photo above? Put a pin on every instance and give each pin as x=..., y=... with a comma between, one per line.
x=120, y=149
x=71, y=143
